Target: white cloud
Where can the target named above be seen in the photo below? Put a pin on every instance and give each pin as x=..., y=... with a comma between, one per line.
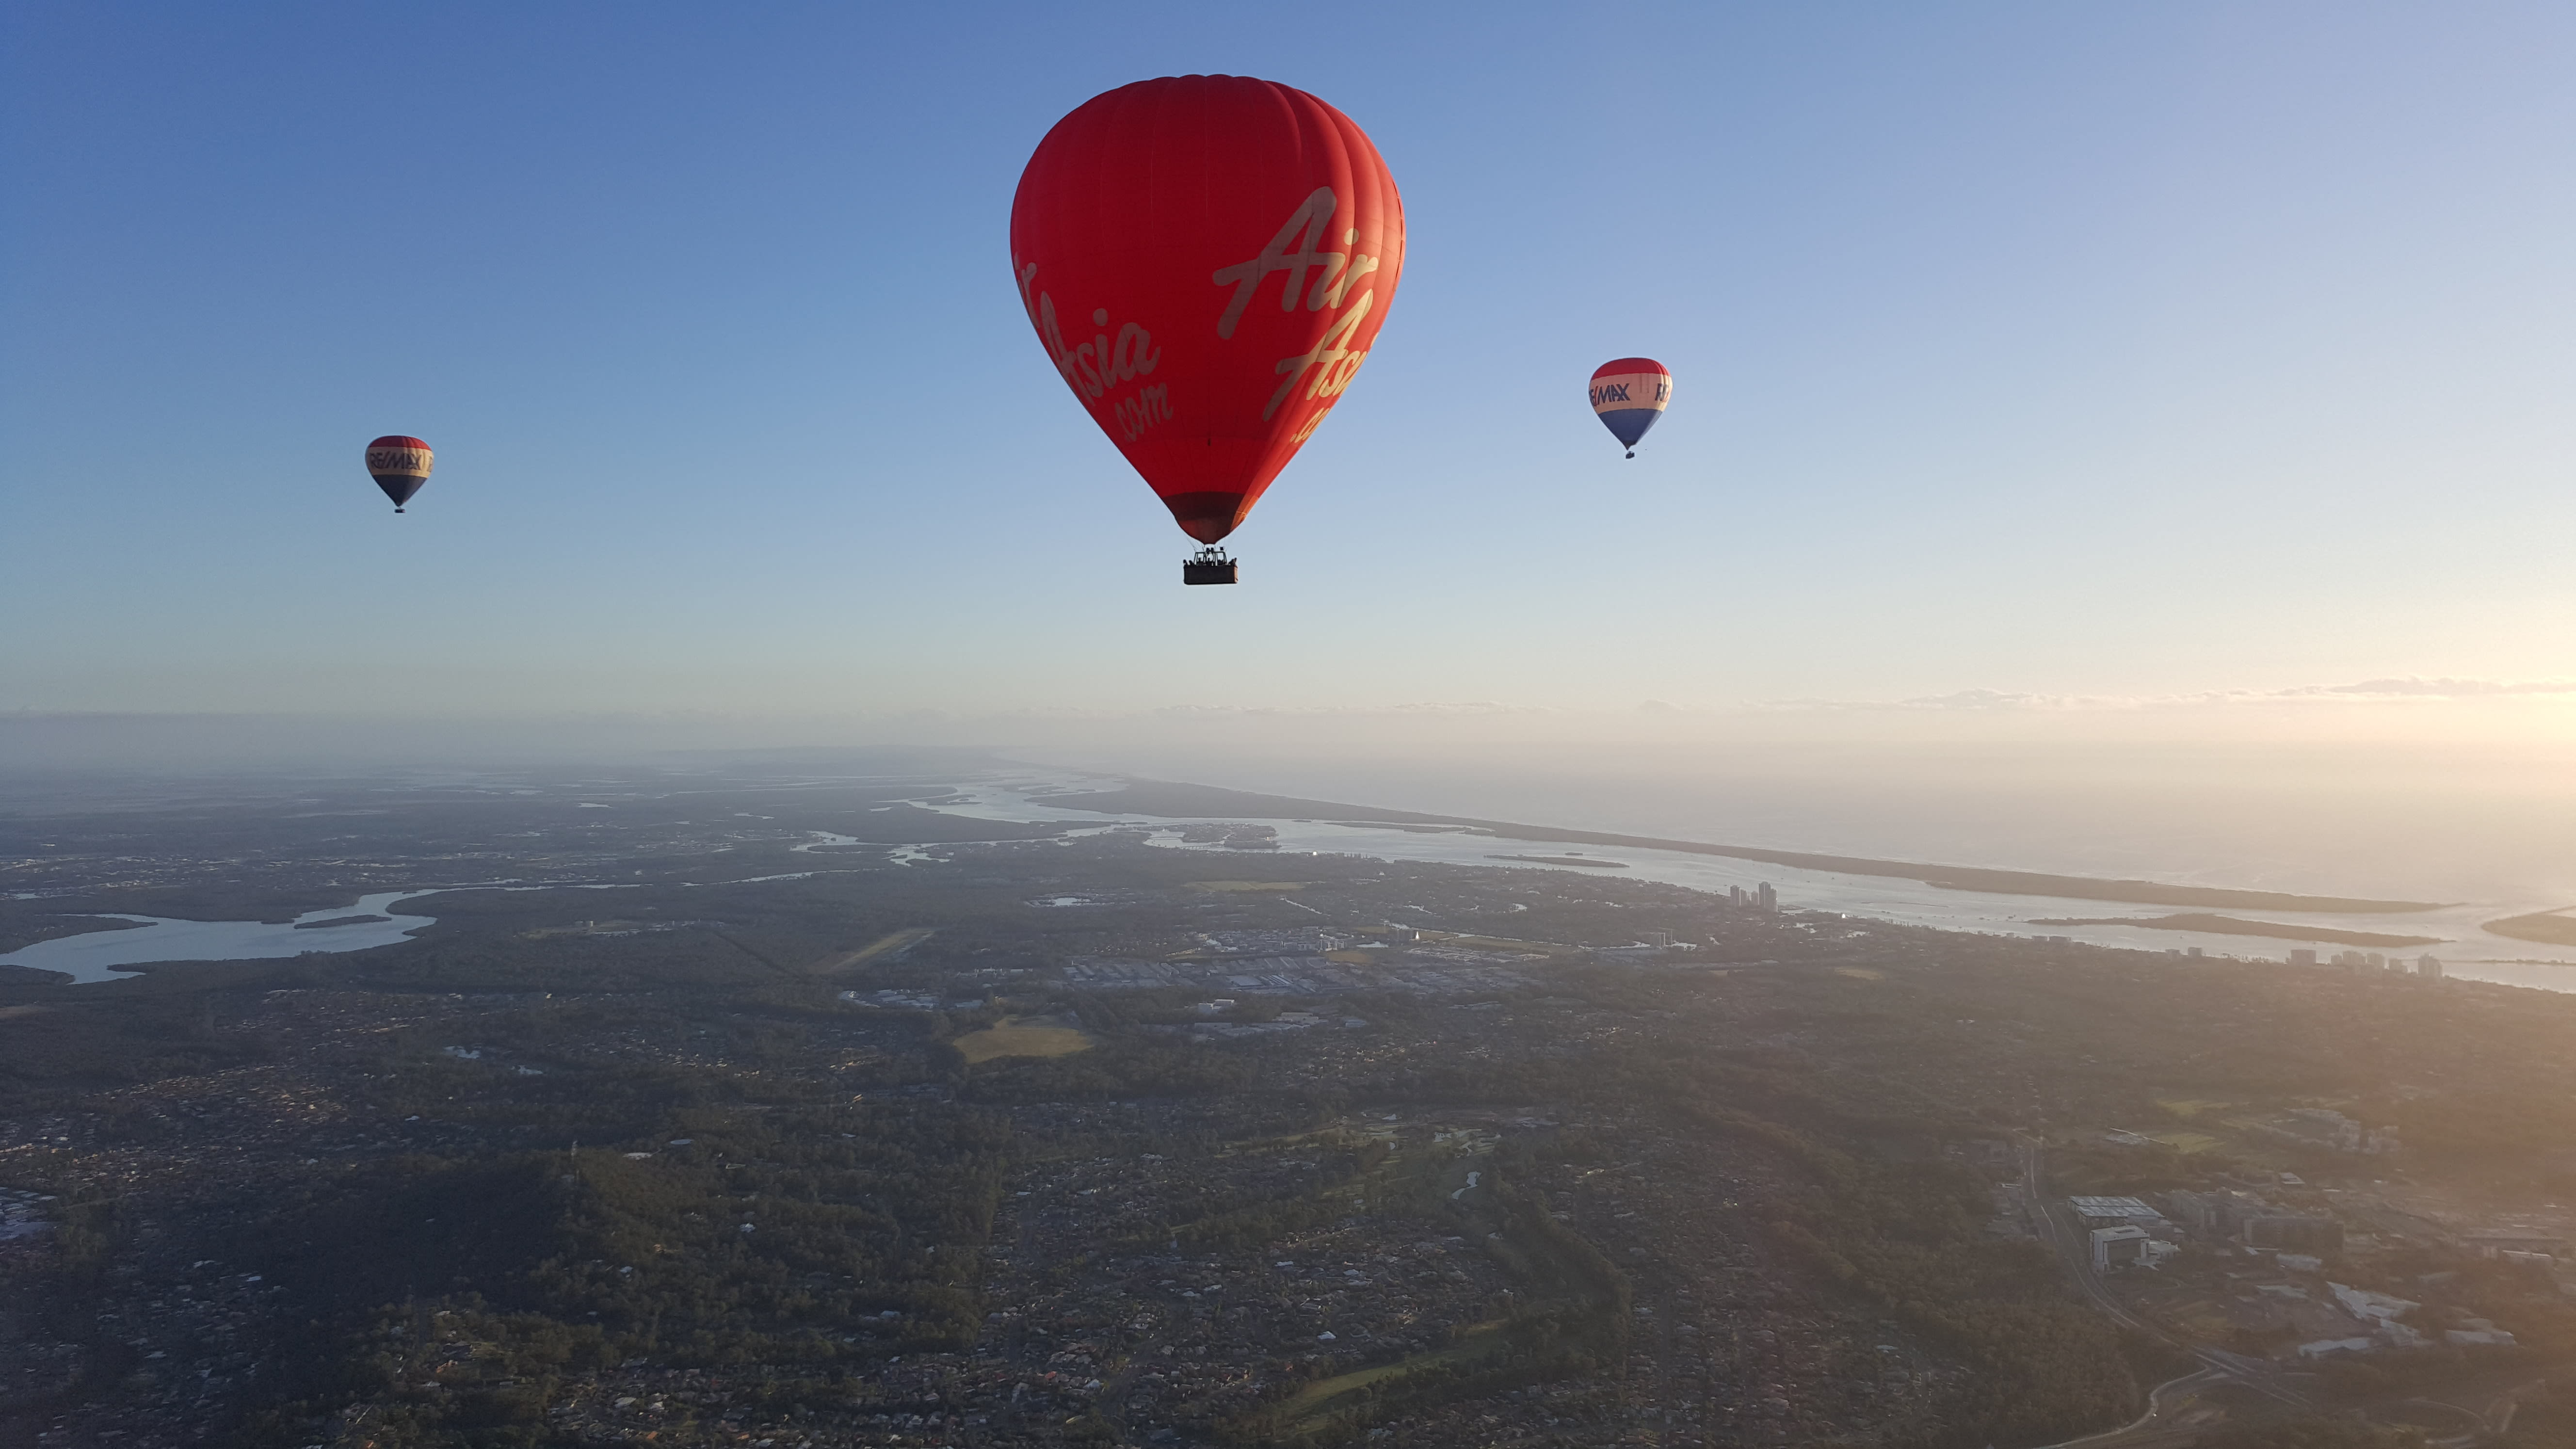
x=2365, y=691
x=2412, y=688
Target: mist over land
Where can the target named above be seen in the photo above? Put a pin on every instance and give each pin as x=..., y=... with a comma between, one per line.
x=2455, y=797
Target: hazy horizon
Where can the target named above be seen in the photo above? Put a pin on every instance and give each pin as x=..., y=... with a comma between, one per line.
x=2469, y=797
x=2112, y=441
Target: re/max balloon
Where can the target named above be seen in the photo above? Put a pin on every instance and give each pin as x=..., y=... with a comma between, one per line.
x=1628, y=395
x=399, y=465
x=1207, y=260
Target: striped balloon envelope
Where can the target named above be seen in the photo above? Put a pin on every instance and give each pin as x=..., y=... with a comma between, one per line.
x=399, y=465
x=1628, y=394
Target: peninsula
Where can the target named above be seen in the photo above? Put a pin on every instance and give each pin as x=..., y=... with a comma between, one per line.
x=2554, y=928
x=2231, y=926
x=1166, y=798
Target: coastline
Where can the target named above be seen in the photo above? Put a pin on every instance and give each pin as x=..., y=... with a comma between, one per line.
x=40, y=927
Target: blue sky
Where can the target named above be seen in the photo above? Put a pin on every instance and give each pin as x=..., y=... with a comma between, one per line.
x=2073, y=350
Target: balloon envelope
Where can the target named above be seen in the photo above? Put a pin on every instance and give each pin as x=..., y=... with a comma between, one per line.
x=1628, y=395
x=1207, y=260
x=399, y=465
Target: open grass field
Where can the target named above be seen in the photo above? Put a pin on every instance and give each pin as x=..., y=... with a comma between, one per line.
x=884, y=945
x=2188, y=1108
x=1254, y=887
x=2201, y=1317
x=1860, y=973
x=1015, y=1036
x=1319, y=1398
x=1501, y=943
x=584, y=928
x=2186, y=1143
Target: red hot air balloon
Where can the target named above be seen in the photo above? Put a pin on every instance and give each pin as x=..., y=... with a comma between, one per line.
x=1207, y=259
x=399, y=465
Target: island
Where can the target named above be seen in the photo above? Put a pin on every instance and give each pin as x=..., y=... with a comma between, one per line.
x=1581, y=860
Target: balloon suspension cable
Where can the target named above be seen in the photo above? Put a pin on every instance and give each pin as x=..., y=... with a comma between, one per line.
x=1209, y=565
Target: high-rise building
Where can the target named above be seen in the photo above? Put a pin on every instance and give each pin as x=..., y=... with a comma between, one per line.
x=1735, y=895
x=1769, y=897
x=2303, y=958
x=2428, y=968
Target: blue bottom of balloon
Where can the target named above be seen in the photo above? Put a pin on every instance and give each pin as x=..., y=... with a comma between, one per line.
x=1630, y=424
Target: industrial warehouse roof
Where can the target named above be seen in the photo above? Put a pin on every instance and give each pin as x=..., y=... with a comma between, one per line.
x=2112, y=1207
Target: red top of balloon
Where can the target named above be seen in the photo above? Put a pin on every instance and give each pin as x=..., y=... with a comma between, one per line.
x=395, y=440
x=1206, y=260
x=1621, y=366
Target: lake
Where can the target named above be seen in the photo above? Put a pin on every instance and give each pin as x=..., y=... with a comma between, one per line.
x=102, y=955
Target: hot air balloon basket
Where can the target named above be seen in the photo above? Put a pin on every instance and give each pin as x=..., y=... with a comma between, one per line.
x=1208, y=566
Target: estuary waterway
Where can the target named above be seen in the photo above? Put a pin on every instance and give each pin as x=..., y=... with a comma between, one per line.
x=2464, y=948
x=2460, y=942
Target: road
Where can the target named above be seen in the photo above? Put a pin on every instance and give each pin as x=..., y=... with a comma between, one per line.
x=2160, y=1425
